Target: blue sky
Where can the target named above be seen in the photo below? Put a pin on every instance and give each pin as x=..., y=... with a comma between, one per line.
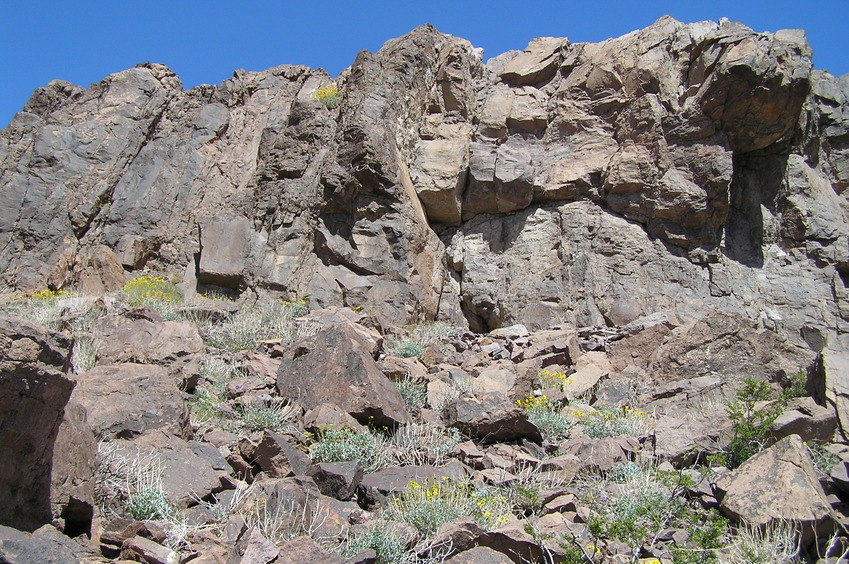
x=204, y=42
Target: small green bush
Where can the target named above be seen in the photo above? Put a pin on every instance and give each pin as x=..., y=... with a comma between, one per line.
x=147, y=289
x=271, y=418
x=408, y=349
x=150, y=504
x=615, y=422
x=388, y=544
x=413, y=393
x=750, y=423
x=429, y=505
x=343, y=445
x=546, y=416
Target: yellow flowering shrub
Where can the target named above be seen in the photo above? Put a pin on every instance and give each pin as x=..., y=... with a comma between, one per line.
x=328, y=95
x=146, y=289
x=433, y=502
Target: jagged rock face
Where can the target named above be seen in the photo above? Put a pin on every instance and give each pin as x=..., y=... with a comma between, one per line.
x=681, y=167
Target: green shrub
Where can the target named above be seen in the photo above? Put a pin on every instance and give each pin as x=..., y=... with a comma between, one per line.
x=413, y=393
x=750, y=423
x=343, y=445
x=823, y=459
x=546, y=416
x=615, y=422
x=429, y=505
x=146, y=289
x=387, y=543
x=328, y=95
x=150, y=504
x=259, y=322
x=408, y=349
x=270, y=418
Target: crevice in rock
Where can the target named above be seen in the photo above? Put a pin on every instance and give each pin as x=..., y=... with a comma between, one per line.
x=755, y=184
x=78, y=516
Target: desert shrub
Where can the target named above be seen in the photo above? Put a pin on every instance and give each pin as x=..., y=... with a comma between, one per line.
x=633, y=504
x=44, y=307
x=388, y=544
x=84, y=353
x=146, y=289
x=419, y=443
x=435, y=502
x=751, y=421
x=283, y=520
x=776, y=544
x=343, y=445
x=823, y=459
x=408, y=349
x=328, y=95
x=418, y=337
x=548, y=379
x=615, y=422
x=210, y=395
x=258, y=322
x=413, y=392
x=546, y=416
x=296, y=307
x=131, y=485
x=274, y=417
x=150, y=504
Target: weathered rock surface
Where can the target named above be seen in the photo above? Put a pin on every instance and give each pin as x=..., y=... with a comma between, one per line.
x=49, y=452
x=673, y=200
x=335, y=366
x=124, y=400
x=779, y=483
x=681, y=167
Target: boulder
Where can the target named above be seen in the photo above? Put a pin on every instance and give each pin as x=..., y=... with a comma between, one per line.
x=188, y=471
x=46, y=544
x=124, y=400
x=277, y=456
x=805, y=418
x=777, y=484
x=337, y=479
x=377, y=487
x=335, y=367
x=43, y=432
x=170, y=344
x=491, y=418
x=480, y=555
x=600, y=455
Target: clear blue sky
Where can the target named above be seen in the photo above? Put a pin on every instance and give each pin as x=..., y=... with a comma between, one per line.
x=205, y=41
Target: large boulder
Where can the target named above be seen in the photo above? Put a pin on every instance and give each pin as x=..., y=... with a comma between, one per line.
x=776, y=485
x=336, y=367
x=49, y=450
x=125, y=400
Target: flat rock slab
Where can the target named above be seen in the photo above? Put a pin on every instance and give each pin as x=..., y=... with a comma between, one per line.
x=777, y=484
x=124, y=400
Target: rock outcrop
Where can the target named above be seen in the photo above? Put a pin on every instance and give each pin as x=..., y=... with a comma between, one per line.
x=680, y=167
x=637, y=226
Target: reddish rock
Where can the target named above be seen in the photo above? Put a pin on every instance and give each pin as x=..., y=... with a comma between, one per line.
x=34, y=393
x=335, y=367
x=330, y=416
x=124, y=400
x=600, y=455
x=491, y=418
x=776, y=485
x=337, y=479
x=304, y=549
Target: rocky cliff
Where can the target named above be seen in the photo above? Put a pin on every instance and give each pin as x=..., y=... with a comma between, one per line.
x=683, y=167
